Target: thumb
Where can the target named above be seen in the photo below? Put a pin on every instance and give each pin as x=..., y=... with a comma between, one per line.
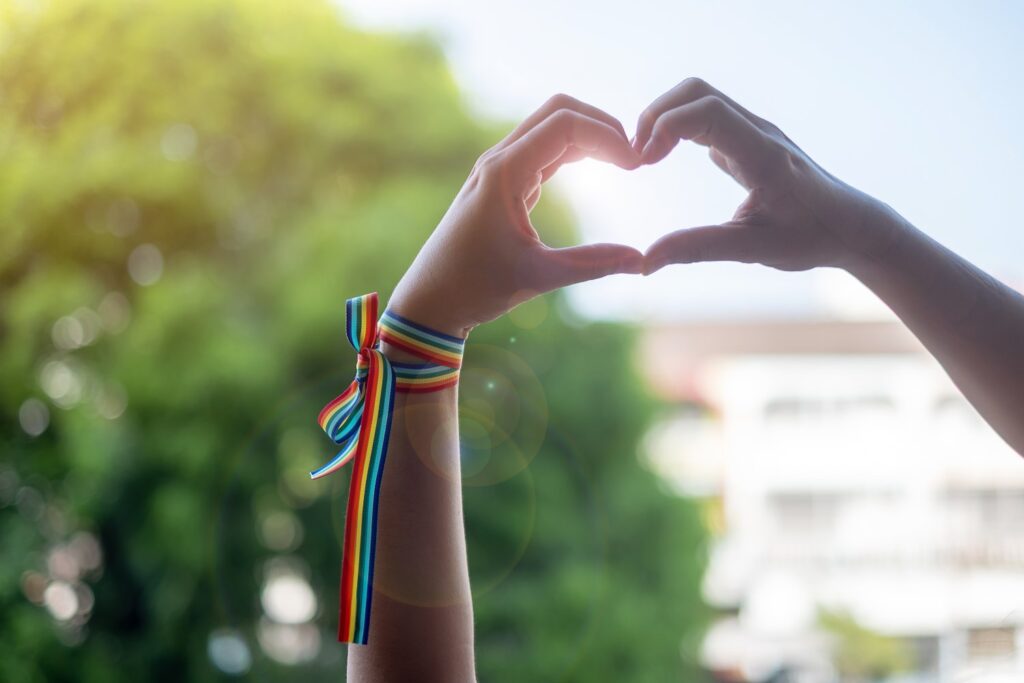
x=562, y=267
x=728, y=242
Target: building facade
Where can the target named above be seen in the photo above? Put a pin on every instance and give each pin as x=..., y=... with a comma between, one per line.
x=846, y=481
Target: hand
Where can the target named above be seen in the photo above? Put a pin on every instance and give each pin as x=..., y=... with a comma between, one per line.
x=796, y=216
x=485, y=257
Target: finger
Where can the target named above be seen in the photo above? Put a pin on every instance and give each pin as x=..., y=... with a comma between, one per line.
x=713, y=122
x=532, y=199
x=561, y=267
x=572, y=154
x=556, y=102
x=723, y=163
x=690, y=90
x=719, y=160
x=569, y=156
x=566, y=129
x=728, y=242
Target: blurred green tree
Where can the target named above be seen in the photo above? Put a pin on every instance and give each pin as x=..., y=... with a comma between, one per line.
x=189, y=191
x=862, y=654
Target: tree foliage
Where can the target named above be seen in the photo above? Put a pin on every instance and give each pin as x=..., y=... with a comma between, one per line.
x=862, y=654
x=189, y=191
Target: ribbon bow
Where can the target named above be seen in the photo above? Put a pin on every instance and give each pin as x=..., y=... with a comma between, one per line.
x=359, y=419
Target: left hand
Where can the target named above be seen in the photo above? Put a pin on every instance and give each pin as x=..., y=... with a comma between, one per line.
x=796, y=215
x=485, y=257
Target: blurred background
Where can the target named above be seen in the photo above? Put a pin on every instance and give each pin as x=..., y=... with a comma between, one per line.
x=768, y=480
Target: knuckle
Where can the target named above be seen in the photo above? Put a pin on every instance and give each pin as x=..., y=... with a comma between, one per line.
x=790, y=162
x=559, y=101
x=770, y=128
x=483, y=159
x=714, y=105
x=669, y=125
x=778, y=154
x=696, y=86
x=564, y=120
x=563, y=117
x=489, y=164
x=793, y=160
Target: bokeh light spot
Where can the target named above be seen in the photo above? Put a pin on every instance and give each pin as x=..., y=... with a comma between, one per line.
x=114, y=312
x=145, y=264
x=67, y=333
x=62, y=564
x=287, y=597
x=289, y=643
x=178, y=142
x=61, y=383
x=90, y=323
x=33, y=584
x=34, y=417
x=87, y=552
x=502, y=414
x=111, y=401
x=61, y=600
x=280, y=530
x=229, y=652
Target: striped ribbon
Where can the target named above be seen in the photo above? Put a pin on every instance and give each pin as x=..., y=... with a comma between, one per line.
x=359, y=420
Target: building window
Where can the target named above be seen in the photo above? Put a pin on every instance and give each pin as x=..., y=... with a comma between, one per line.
x=806, y=513
x=991, y=511
x=987, y=644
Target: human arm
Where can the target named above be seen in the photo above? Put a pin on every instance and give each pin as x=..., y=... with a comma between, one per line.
x=482, y=259
x=799, y=216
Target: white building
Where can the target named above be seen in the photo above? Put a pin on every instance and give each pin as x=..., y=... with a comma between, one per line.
x=842, y=471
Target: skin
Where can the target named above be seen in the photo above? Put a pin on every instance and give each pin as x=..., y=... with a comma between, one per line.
x=485, y=257
x=799, y=216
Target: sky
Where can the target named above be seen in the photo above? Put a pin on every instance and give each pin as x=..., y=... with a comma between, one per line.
x=918, y=104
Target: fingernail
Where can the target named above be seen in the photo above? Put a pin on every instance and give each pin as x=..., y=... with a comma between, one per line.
x=632, y=162
x=651, y=267
x=646, y=151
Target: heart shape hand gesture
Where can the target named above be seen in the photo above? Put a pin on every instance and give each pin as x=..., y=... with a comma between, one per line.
x=485, y=257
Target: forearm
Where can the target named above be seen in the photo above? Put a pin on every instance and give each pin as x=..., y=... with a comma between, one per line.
x=482, y=259
x=972, y=323
x=421, y=626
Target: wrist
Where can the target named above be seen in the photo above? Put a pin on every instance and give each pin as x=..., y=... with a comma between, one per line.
x=398, y=355
x=435, y=315
x=436, y=353
x=879, y=237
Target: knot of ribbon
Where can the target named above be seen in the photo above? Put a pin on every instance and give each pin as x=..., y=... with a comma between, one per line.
x=359, y=420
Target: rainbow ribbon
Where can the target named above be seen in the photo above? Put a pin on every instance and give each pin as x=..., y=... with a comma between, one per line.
x=359, y=420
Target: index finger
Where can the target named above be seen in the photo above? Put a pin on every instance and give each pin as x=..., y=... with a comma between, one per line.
x=565, y=129
x=690, y=90
x=555, y=103
x=712, y=122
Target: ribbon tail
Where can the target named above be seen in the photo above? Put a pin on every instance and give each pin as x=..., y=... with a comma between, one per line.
x=340, y=418
x=340, y=460
x=368, y=454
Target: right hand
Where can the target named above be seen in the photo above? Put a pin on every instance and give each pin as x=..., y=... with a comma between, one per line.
x=485, y=257
x=796, y=216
